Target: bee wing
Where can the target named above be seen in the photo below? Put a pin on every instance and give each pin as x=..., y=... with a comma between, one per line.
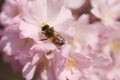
x=67, y=33
x=63, y=35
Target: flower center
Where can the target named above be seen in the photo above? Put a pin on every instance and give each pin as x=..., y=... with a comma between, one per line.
x=72, y=63
x=108, y=16
x=116, y=46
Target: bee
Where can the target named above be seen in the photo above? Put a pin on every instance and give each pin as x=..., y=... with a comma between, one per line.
x=52, y=35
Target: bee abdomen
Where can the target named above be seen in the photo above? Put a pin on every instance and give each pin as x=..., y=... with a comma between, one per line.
x=59, y=41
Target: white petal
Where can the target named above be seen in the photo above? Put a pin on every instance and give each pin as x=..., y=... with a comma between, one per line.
x=28, y=71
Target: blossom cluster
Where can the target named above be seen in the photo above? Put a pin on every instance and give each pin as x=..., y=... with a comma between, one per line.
x=82, y=41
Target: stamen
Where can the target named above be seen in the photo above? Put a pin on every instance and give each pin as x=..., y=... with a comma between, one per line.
x=25, y=42
x=72, y=63
x=116, y=46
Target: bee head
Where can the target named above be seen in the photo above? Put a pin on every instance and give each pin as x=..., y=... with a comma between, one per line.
x=45, y=27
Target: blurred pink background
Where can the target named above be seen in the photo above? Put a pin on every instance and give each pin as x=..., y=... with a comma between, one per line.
x=6, y=72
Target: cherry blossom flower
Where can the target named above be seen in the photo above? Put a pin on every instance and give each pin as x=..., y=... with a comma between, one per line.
x=113, y=72
x=76, y=66
x=34, y=26
x=91, y=49
x=105, y=58
x=57, y=64
x=58, y=17
x=15, y=49
x=107, y=10
x=10, y=10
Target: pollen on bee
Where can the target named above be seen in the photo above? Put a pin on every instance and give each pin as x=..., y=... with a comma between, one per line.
x=43, y=23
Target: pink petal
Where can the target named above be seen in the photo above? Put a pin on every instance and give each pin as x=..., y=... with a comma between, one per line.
x=59, y=64
x=28, y=71
x=31, y=13
x=67, y=49
x=36, y=5
x=53, y=9
x=63, y=20
x=51, y=73
x=21, y=2
x=83, y=61
x=69, y=33
x=29, y=30
x=73, y=4
x=102, y=60
x=37, y=49
x=36, y=58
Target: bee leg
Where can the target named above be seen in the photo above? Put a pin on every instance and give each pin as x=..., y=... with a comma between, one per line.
x=44, y=39
x=49, y=52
